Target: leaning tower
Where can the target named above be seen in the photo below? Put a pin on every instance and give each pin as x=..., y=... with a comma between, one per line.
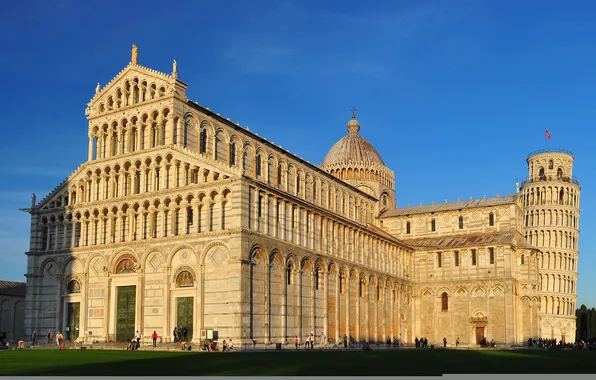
x=551, y=213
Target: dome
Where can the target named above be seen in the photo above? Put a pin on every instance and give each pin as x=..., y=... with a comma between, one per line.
x=352, y=148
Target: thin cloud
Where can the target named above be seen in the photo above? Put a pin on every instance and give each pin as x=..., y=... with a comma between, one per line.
x=357, y=42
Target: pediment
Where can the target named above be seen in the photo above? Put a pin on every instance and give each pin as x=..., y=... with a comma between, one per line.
x=135, y=84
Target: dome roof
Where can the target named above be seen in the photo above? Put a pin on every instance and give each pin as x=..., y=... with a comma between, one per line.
x=352, y=148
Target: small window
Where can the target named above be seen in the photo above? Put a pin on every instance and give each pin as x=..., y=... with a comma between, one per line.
x=439, y=261
x=559, y=173
x=341, y=285
x=461, y=222
x=456, y=257
x=523, y=259
x=407, y=227
x=361, y=290
x=491, y=252
x=258, y=165
x=550, y=164
x=316, y=279
x=444, y=302
x=541, y=173
x=473, y=257
x=491, y=219
x=433, y=225
x=289, y=275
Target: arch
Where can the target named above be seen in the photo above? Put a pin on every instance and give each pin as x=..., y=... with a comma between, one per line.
x=444, y=301
x=184, y=277
x=73, y=286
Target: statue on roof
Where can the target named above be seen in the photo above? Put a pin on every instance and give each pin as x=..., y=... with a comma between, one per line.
x=33, y=198
x=175, y=67
x=135, y=54
x=97, y=88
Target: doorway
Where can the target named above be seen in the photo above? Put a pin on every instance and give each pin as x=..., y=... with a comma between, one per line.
x=73, y=316
x=184, y=315
x=125, y=313
x=479, y=334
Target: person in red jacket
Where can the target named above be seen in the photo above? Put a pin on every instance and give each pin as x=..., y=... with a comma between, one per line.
x=154, y=336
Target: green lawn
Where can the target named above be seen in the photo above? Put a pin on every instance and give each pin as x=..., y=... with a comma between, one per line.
x=401, y=362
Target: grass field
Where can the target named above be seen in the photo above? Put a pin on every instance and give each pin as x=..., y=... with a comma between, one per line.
x=400, y=362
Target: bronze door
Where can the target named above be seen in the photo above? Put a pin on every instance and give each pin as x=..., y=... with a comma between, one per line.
x=73, y=317
x=184, y=315
x=125, y=313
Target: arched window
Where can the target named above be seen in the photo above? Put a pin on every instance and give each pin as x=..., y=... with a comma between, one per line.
x=125, y=266
x=203, y=142
x=407, y=227
x=541, y=173
x=491, y=219
x=184, y=279
x=444, y=302
x=232, y=153
x=258, y=165
x=73, y=287
x=289, y=274
x=523, y=259
x=559, y=173
x=550, y=164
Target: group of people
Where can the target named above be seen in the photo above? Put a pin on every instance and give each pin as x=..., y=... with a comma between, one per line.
x=135, y=342
x=180, y=335
x=309, y=341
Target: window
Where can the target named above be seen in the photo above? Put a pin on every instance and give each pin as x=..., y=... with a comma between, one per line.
x=559, y=173
x=473, y=257
x=550, y=164
x=407, y=227
x=444, y=302
x=341, y=285
x=491, y=219
x=522, y=259
x=461, y=222
x=456, y=257
x=203, y=142
x=232, y=153
x=258, y=165
x=491, y=252
x=316, y=279
x=439, y=261
x=541, y=173
x=289, y=274
x=361, y=289
x=433, y=225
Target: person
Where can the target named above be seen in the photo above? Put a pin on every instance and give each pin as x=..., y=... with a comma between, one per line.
x=34, y=337
x=50, y=336
x=230, y=345
x=457, y=342
x=175, y=334
x=59, y=339
x=416, y=342
x=444, y=342
x=185, y=334
x=224, y=346
x=138, y=336
x=296, y=341
x=154, y=337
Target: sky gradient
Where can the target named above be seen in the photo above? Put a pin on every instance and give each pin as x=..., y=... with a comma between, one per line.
x=453, y=94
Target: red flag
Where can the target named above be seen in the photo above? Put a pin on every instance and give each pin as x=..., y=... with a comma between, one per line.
x=547, y=134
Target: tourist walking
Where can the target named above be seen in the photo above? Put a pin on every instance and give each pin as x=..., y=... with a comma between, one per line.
x=50, y=336
x=457, y=342
x=296, y=341
x=185, y=334
x=59, y=338
x=444, y=342
x=175, y=334
x=154, y=337
x=34, y=337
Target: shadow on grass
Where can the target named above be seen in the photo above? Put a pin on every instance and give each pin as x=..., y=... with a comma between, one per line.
x=355, y=363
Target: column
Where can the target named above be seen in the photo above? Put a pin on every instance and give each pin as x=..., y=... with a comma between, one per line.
x=180, y=133
x=90, y=153
x=65, y=233
x=170, y=127
x=56, y=245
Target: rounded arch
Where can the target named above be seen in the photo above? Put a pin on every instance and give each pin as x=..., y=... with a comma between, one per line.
x=115, y=256
x=219, y=244
x=180, y=271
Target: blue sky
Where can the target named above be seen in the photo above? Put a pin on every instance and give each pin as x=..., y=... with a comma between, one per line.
x=453, y=94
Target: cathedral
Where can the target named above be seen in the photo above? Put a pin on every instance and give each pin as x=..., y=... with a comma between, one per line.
x=182, y=218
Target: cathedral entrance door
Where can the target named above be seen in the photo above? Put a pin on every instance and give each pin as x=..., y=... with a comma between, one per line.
x=125, y=313
x=479, y=334
x=73, y=316
x=184, y=317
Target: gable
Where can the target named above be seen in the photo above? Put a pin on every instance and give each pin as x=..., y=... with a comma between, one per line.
x=134, y=85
